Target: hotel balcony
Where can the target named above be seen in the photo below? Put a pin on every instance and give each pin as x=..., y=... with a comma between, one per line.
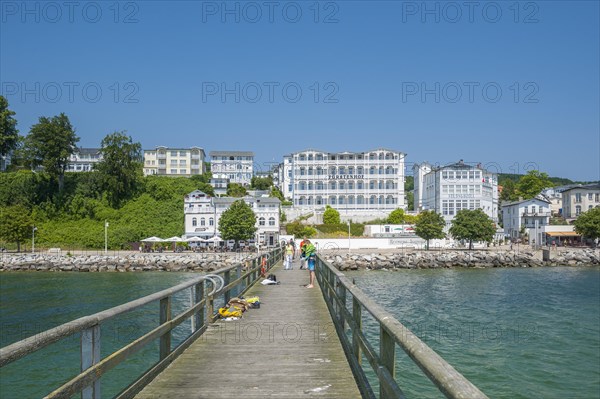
x=536, y=214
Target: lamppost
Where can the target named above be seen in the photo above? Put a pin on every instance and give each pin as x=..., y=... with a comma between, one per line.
x=348, y=237
x=33, y=229
x=105, y=237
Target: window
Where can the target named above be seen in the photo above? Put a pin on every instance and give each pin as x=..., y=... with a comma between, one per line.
x=182, y=153
x=290, y=187
x=359, y=185
x=319, y=185
x=351, y=170
x=341, y=200
x=578, y=197
x=261, y=220
x=372, y=170
x=597, y=198
x=332, y=170
x=271, y=221
x=302, y=186
x=360, y=170
x=302, y=171
x=182, y=171
x=350, y=199
x=211, y=222
x=319, y=200
x=173, y=171
x=319, y=157
x=332, y=200
x=194, y=221
x=372, y=185
x=173, y=162
x=578, y=210
x=350, y=185
x=303, y=157
x=360, y=200
x=310, y=157
x=173, y=153
x=381, y=170
x=381, y=155
x=372, y=200
x=332, y=185
x=319, y=171
x=342, y=185
x=310, y=171
x=310, y=185
x=590, y=207
x=202, y=222
x=372, y=156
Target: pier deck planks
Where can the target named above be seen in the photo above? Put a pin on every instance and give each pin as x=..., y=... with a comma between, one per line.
x=286, y=349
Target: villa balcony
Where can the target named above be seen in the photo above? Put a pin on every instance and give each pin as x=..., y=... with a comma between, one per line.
x=536, y=214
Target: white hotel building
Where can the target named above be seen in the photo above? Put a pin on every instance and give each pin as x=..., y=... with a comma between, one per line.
x=355, y=183
x=233, y=166
x=166, y=161
x=450, y=188
x=202, y=214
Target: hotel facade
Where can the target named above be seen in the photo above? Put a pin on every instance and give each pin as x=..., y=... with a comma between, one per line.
x=166, y=161
x=579, y=199
x=84, y=159
x=451, y=188
x=232, y=166
x=203, y=212
x=353, y=183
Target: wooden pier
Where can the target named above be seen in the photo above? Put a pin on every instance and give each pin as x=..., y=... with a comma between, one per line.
x=287, y=349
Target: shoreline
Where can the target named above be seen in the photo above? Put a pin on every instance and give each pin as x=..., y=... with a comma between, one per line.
x=342, y=260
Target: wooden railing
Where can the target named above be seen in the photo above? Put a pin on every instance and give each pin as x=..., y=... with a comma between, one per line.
x=341, y=294
x=225, y=282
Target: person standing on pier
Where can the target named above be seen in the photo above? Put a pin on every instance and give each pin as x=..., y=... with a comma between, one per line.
x=289, y=254
x=311, y=258
x=302, y=254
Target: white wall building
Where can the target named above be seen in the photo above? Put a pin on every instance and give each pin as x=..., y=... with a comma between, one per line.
x=166, y=161
x=579, y=199
x=451, y=188
x=419, y=172
x=84, y=159
x=4, y=162
x=202, y=214
x=237, y=166
x=354, y=183
x=533, y=214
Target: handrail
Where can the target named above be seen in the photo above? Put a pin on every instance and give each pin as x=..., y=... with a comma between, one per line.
x=335, y=285
x=92, y=367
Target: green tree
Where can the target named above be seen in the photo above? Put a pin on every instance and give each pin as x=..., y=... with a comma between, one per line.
x=299, y=230
x=509, y=191
x=430, y=225
x=410, y=200
x=50, y=143
x=472, y=225
x=15, y=224
x=236, y=190
x=261, y=183
x=532, y=184
x=238, y=222
x=396, y=216
x=588, y=223
x=120, y=168
x=9, y=135
x=276, y=193
x=331, y=216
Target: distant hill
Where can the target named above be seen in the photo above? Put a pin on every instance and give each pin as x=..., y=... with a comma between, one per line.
x=558, y=181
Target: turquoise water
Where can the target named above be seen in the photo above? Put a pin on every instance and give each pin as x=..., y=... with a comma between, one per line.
x=34, y=302
x=515, y=333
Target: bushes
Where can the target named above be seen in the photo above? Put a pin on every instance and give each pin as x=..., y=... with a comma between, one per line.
x=297, y=229
x=356, y=229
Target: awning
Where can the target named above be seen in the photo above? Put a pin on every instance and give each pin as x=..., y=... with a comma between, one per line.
x=562, y=234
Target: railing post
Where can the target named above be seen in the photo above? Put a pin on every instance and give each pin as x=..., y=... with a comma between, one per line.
x=90, y=355
x=387, y=355
x=252, y=276
x=210, y=307
x=227, y=291
x=357, y=316
x=238, y=273
x=341, y=293
x=165, y=316
x=196, y=295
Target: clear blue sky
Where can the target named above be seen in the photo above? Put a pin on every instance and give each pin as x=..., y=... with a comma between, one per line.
x=378, y=66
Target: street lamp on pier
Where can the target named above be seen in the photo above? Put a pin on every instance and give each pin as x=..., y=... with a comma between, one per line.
x=105, y=237
x=33, y=229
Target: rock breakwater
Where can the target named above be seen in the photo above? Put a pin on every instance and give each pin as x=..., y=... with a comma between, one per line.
x=474, y=259
x=121, y=263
